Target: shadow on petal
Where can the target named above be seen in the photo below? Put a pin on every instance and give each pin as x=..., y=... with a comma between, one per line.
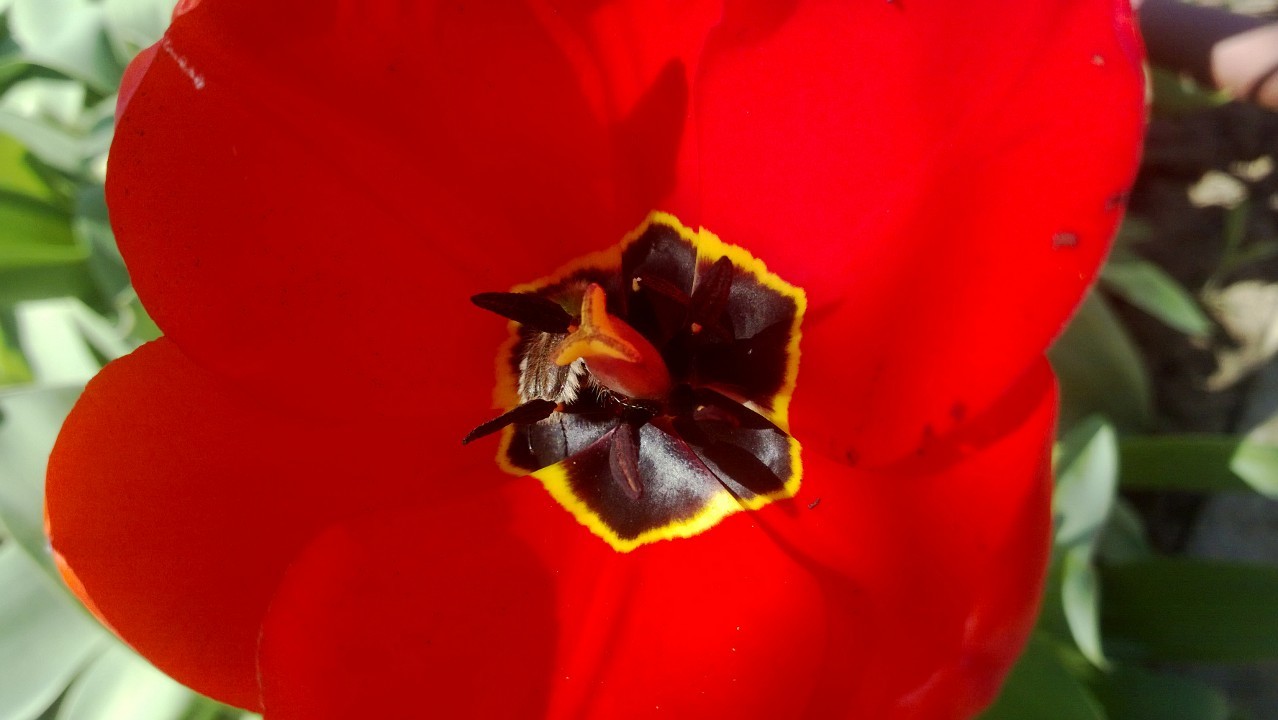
x=434, y=611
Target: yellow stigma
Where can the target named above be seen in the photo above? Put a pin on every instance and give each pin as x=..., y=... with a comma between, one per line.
x=598, y=336
x=618, y=357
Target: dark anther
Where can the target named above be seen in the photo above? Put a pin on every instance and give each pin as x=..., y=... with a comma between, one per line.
x=637, y=411
x=734, y=459
x=531, y=311
x=526, y=414
x=661, y=286
x=742, y=416
x=713, y=413
x=623, y=459
x=710, y=298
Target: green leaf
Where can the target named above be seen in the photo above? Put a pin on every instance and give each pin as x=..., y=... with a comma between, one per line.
x=1129, y=693
x=33, y=232
x=1196, y=463
x=56, y=101
x=55, y=145
x=1100, y=370
x=1041, y=687
x=1051, y=615
x=1257, y=464
x=51, y=119
x=1199, y=463
x=1124, y=538
x=1073, y=440
x=49, y=281
x=1177, y=94
x=67, y=36
x=137, y=323
x=63, y=340
x=1080, y=598
x=13, y=369
x=119, y=685
x=35, y=223
x=44, y=638
x=105, y=261
x=1190, y=610
x=16, y=175
x=135, y=24
x=1237, y=253
x=1087, y=481
x=12, y=70
x=1149, y=288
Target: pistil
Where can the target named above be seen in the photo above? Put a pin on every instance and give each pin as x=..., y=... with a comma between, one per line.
x=617, y=356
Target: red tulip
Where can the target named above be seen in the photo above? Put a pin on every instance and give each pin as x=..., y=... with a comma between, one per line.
x=272, y=502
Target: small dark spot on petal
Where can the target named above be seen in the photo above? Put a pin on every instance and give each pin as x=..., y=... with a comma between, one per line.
x=958, y=411
x=812, y=505
x=1065, y=240
x=851, y=456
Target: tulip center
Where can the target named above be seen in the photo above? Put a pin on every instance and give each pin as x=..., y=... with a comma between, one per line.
x=648, y=386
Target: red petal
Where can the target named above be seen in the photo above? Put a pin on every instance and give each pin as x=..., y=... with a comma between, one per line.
x=362, y=629
x=133, y=75
x=942, y=178
x=177, y=504
x=184, y=6
x=333, y=180
x=454, y=602
x=897, y=595
x=950, y=547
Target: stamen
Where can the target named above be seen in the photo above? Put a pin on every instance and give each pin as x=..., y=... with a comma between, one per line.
x=623, y=460
x=660, y=286
x=526, y=414
x=710, y=298
x=531, y=311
